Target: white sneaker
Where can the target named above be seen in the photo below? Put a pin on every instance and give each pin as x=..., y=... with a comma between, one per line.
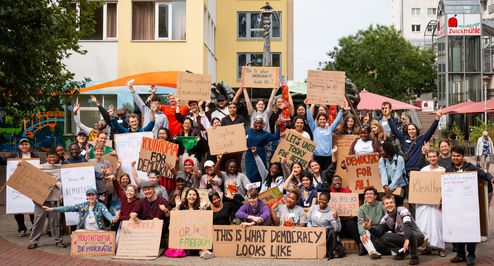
x=207, y=255
x=375, y=255
x=484, y=238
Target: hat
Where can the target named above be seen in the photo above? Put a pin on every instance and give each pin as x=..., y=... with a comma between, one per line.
x=23, y=140
x=91, y=191
x=82, y=133
x=209, y=163
x=221, y=97
x=147, y=183
x=189, y=160
x=181, y=175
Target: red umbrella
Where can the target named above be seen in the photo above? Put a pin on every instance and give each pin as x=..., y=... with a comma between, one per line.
x=372, y=101
x=453, y=108
x=476, y=107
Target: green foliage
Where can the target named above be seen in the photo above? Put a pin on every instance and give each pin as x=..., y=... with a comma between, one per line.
x=381, y=61
x=446, y=133
x=36, y=37
x=476, y=131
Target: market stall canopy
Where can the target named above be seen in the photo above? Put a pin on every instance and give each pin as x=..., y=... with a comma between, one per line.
x=372, y=101
x=452, y=108
x=476, y=107
x=162, y=78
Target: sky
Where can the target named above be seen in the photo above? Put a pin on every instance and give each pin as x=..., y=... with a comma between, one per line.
x=318, y=24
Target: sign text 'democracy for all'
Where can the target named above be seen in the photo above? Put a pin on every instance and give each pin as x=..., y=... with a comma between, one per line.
x=363, y=171
x=325, y=87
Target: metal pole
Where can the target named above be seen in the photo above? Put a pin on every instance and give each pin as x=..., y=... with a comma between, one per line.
x=485, y=103
x=266, y=20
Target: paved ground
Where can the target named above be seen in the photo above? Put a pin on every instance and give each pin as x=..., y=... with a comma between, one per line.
x=13, y=251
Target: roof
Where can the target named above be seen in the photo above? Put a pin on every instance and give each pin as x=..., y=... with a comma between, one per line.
x=460, y=6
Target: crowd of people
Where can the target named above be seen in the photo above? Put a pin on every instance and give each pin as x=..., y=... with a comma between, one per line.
x=385, y=224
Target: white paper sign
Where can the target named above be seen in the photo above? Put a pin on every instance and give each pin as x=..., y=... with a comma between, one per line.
x=461, y=215
x=76, y=179
x=16, y=201
x=128, y=146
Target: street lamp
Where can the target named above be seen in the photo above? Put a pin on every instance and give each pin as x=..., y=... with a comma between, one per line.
x=486, y=83
x=266, y=21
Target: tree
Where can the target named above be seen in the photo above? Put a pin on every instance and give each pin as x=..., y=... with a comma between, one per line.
x=36, y=37
x=380, y=60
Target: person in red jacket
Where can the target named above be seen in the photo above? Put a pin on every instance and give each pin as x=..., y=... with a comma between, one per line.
x=169, y=110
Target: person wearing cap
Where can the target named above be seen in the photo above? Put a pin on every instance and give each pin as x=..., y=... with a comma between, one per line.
x=259, y=138
x=154, y=101
x=221, y=108
x=90, y=132
x=210, y=180
x=24, y=152
x=53, y=200
x=81, y=140
x=91, y=212
x=153, y=177
x=176, y=195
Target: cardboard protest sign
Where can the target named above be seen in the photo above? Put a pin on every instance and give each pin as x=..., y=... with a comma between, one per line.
x=32, y=182
x=269, y=197
x=425, y=187
x=325, y=87
x=269, y=242
x=363, y=171
x=347, y=204
x=343, y=143
x=92, y=243
x=460, y=207
x=139, y=240
x=484, y=208
x=155, y=154
x=260, y=77
x=127, y=147
x=187, y=233
x=113, y=162
x=295, y=148
x=194, y=87
x=227, y=139
x=203, y=195
x=76, y=179
x=16, y=201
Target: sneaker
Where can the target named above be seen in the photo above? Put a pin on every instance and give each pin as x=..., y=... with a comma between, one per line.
x=458, y=259
x=470, y=260
x=22, y=234
x=400, y=256
x=484, y=238
x=414, y=261
x=207, y=255
x=375, y=255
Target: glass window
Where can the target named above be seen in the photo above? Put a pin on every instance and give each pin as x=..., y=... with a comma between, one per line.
x=455, y=54
x=142, y=21
x=431, y=11
x=250, y=25
x=98, y=26
x=416, y=28
x=415, y=12
x=255, y=59
x=472, y=52
x=163, y=20
x=99, y=17
x=158, y=20
x=111, y=20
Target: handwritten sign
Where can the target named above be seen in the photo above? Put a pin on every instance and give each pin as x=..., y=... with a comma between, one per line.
x=32, y=182
x=270, y=196
x=139, y=240
x=92, y=243
x=363, y=171
x=295, y=148
x=260, y=77
x=325, y=87
x=128, y=146
x=269, y=242
x=76, y=180
x=347, y=204
x=460, y=207
x=155, y=154
x=343, y=143
x=16, y=201
x=187, y=233
x=227, y=139
x=425, y=187
x=193, y=86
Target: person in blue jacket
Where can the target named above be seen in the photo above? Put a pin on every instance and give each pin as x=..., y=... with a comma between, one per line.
x=257, y=137
x=134, y=124
x=323, y=134
x=91, y=212
x=412, y=143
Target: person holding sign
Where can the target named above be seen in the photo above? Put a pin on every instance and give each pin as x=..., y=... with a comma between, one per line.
x=321, y=215
x=398, y=232
x=364, y=144
x=289, y=214
x=254, y=212
x=429, y=216
x=322, y=178
x=308, y=193
x=210, y=180
x=323, y=135
x=91, y=212
x=233, y=118
x=460, y=165
x=273, y=177
x=299, y=126
x=234, y=183
x=53, y=200
x=128, y=198
x=261, y=109
x=392, y=169
x=370, y=214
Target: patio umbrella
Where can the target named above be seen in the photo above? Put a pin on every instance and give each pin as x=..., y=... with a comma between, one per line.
x=476, y=107
x=452, y=108
x=162, y=78
x=372, y=101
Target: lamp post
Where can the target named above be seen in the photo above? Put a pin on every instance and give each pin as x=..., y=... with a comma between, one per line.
x=266, y=21
x=486, y=83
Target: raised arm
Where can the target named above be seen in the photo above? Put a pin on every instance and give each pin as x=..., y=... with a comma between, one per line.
x=399, y=135
x=261, y=168
x=237, y=95
x=292, y=106
x=217, y=165
x=248, y=103
x=430, y=132
x=269, y=107
x=119, y=128
x=134, y=174
x=77, y=120
x=310, y=118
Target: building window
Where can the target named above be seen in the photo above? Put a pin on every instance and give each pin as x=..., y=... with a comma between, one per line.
x=415, y=12
x=430, y=28
x=88, y=111
x=158, y=20
x=255, y=59
x=431, y=11
x=105, y=18
x=250, y=25
x=416, y=28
